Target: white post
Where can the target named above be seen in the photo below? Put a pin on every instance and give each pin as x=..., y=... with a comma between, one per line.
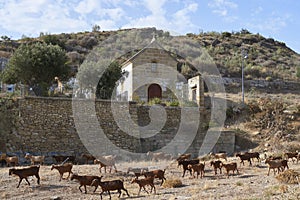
x=244, y=56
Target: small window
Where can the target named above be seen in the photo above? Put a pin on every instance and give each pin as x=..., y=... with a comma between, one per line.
x=153, y=67
x=194, y=94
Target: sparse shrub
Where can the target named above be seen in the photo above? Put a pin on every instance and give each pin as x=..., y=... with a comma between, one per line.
x=298, y=71
x=253, y=70
x=239, y=183
x=136, y=97
x=248, y=77
x=245, y=31
x=268, y=78
x=289, y=176
x=209, y=186
x=88, y=42
x=189, y=104
x=172, y=183
x=155, y=101
x=226, y=34
x=229, y=112
x=173, y=103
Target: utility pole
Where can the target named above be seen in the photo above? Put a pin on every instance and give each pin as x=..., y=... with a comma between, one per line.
x=244, y=56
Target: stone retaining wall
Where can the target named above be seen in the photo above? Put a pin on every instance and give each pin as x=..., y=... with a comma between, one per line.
x=46, y=126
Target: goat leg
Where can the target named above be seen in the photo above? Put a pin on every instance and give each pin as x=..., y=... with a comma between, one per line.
x=85, y=189
x=145, y=190
x=162, y=181
x=69, y=175
x=80, y=188
x=126, y=191
x=110, y=196
x=27, y=181
x=153, y=187
x=19, y=182
x=95, y=189
x=38, y=178
x=101, y=194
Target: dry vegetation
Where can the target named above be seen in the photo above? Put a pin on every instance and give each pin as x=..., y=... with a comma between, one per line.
x=275, y=132
x=251, y=183
x=267, y=58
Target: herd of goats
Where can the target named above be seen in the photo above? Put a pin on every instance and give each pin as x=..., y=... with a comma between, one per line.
x=218, y=161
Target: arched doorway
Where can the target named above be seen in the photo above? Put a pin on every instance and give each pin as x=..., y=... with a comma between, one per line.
x=154, y=91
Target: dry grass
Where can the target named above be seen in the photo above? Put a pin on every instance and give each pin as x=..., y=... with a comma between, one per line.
x=172, y=183
x=289, y=176
x=251, y=183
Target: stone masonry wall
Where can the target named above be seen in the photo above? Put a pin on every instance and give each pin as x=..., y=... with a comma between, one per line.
x=45, y=126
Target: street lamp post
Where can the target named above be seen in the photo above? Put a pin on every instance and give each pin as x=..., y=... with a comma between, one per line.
x=244, y=56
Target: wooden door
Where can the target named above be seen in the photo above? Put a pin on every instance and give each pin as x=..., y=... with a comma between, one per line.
x=154, y=91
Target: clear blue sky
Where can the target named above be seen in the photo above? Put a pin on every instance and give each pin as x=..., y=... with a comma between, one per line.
x=278, y=19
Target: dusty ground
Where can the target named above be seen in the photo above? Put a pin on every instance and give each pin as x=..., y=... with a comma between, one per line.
x=251, y=183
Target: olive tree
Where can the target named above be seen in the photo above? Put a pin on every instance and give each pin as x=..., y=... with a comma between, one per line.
x=36, y=64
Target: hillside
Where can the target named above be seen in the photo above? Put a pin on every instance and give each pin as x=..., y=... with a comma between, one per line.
x=267, y=58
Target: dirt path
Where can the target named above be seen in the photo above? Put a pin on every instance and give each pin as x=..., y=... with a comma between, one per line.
x=250, y=183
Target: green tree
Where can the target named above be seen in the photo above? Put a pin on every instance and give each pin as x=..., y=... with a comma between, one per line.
x=5, y=38
x=100, y=77
x=36, y=64
x=107, y=82
x=52, y=39
x=96, y=28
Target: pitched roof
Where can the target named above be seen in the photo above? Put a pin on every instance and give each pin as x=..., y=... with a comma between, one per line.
x=152, y=45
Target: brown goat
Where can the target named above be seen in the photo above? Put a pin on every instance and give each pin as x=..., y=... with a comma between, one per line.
x=274, y=164
x=199, y=168
x=106, y=162
x=84, y=181
x=291, y=155
x=88, y=157
x=185, y=164
x=186, y=156
x=156, y=156
x=230, y=167
x=23, y=173
x=143, y=182
x=137, y=171
x=216, y=165
x=67, y=167
x=219, y=155
x=160, y=174
x=253, y=155
x=10, y=159
x=35, y=159
x=108, y=186
x=284, y=164
x=60, y=159
x=244, y=157
x=274, y=157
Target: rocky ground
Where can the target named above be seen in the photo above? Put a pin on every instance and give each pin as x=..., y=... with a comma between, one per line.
x=252, y=182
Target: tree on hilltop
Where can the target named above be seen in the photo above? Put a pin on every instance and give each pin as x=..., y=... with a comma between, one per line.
x=36, y=64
